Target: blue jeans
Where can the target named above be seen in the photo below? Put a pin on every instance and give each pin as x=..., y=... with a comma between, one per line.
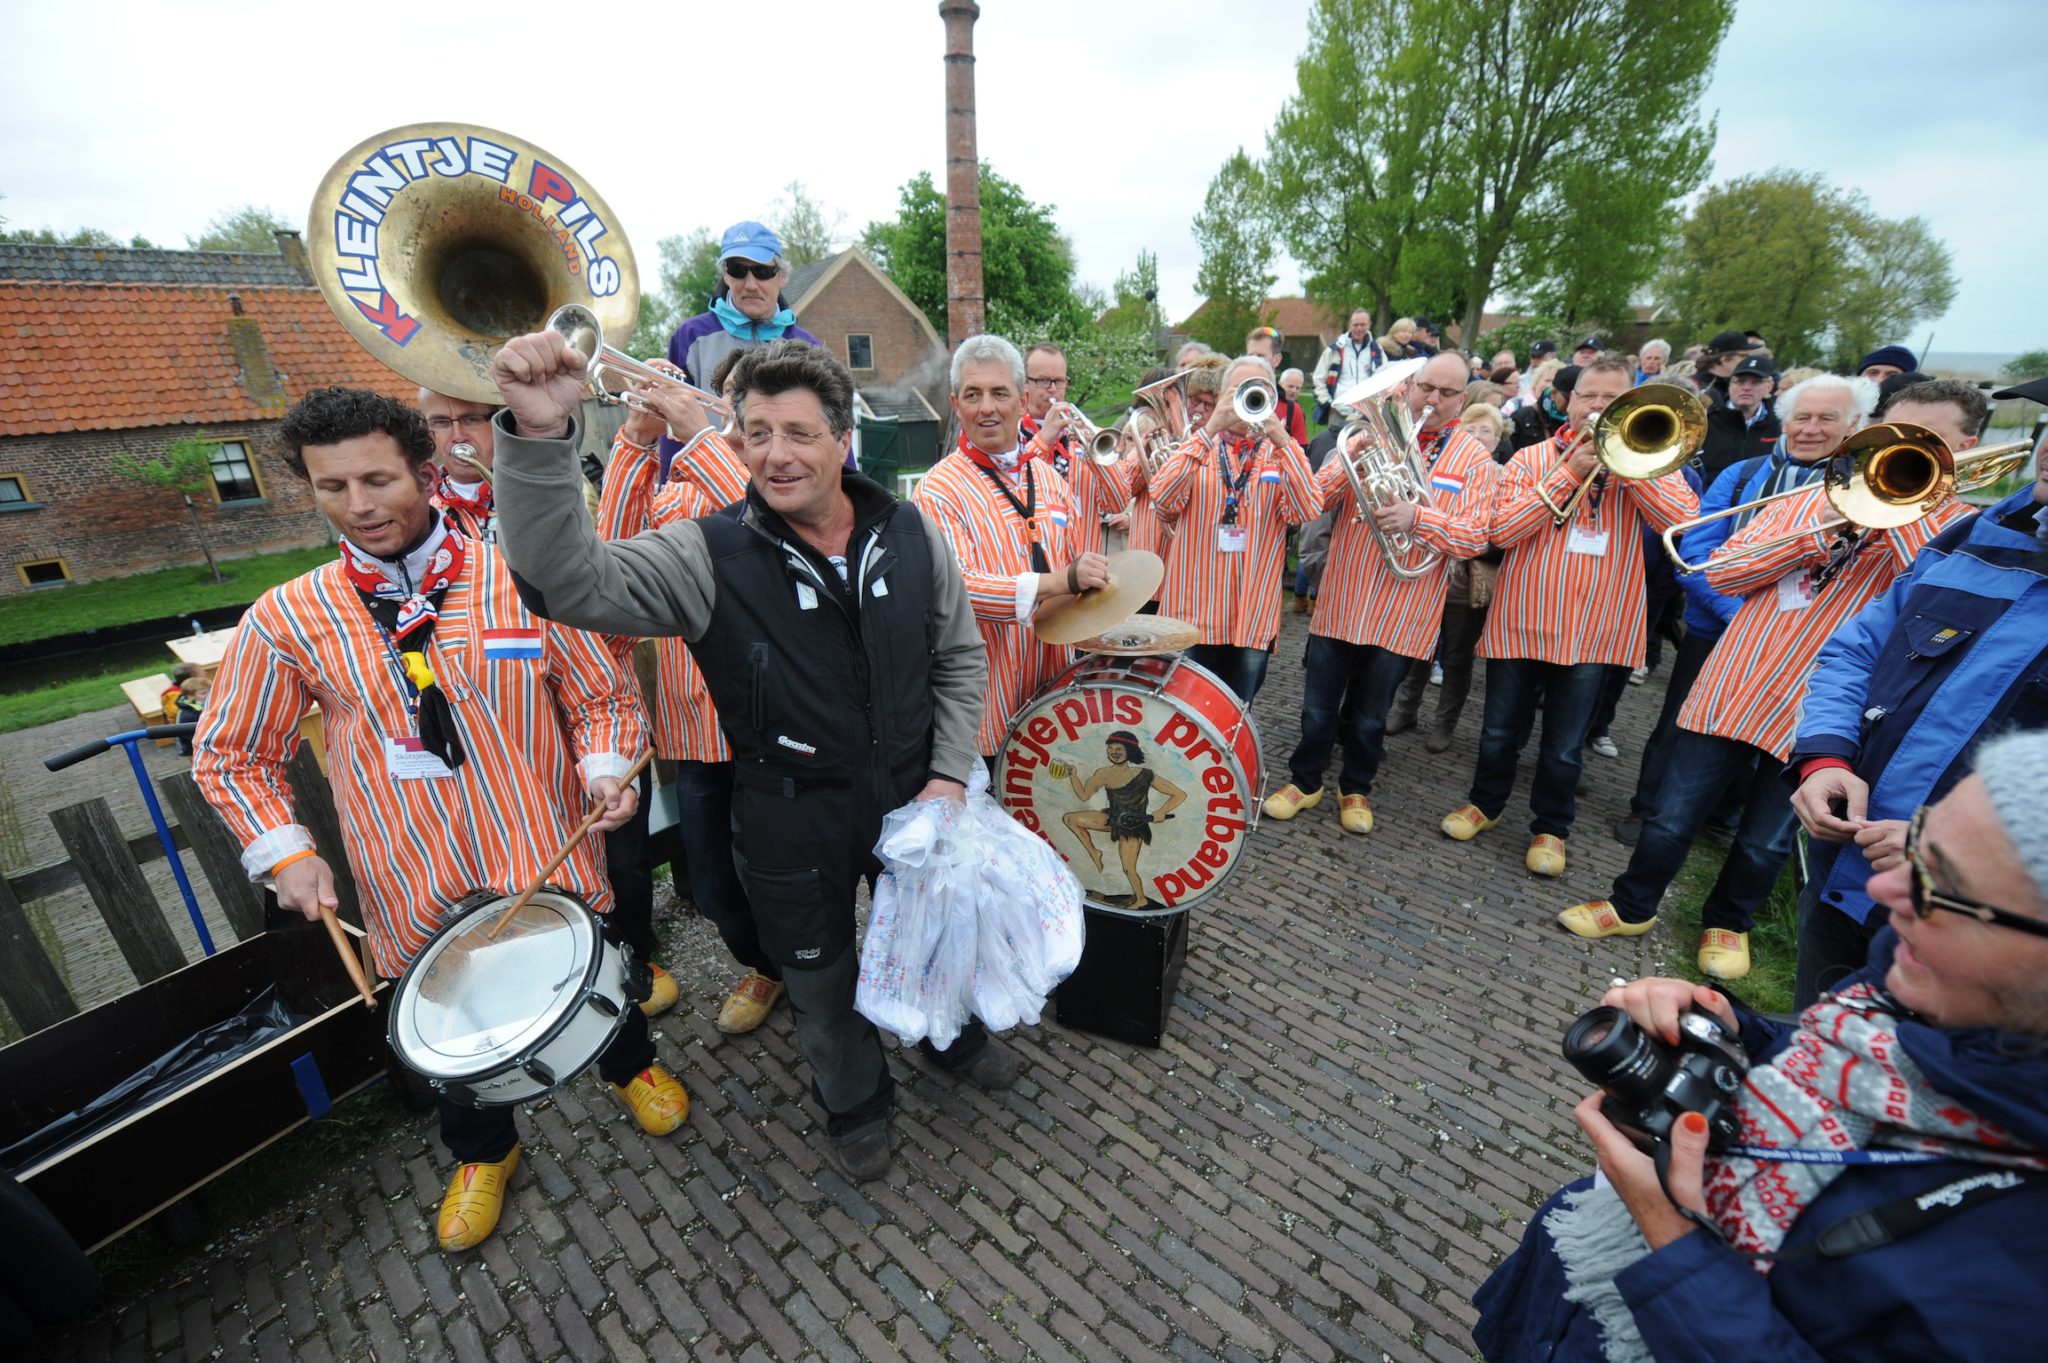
x=1346, y=687
x=1243, y=670
x=1701, y=768
x=1685, y=670
x=1568, y=696
x=704, y=815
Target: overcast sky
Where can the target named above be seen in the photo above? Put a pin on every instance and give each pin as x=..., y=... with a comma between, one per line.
x=152, y=117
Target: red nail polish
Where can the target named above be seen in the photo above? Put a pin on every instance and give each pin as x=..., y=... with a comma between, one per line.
x=1694, y=1122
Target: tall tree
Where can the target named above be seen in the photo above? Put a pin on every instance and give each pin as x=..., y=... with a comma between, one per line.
x=184, y=467
x=247, y=228
x=688, y=276
x=1134, y=300
x=1811, y=267
x=49, y=236
x=1027, y=266
x=809, y=230
x=1237, y=255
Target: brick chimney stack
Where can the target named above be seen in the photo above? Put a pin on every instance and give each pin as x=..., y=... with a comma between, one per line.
x=964, y=302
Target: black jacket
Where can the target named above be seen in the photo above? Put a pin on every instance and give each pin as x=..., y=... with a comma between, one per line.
x=1729, y=442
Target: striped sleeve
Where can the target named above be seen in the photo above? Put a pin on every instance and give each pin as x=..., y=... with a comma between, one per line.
x=599, y=701
x=992, y=594
x=1518, y=508
x=714, y=465
x=1735, y=570
x=1663, y=501
x=1459, y=514
x=1300, y=500
x=1176, y=480
x=623, y=509
x=247, y=733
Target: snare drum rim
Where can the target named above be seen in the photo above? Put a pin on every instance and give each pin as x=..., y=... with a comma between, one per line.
x=479, y=902
x=1118, y=671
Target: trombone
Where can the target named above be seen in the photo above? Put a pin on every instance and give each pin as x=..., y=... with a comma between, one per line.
x=1384, y=464
x=1880, y=478
x=579, y=326
x=1645, y=433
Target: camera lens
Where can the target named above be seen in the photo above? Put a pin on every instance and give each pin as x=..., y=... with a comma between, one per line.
x=1609, y=1049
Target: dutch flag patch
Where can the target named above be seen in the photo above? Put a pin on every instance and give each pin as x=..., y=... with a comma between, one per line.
x=1058, y=514
x=1270, y=476
x=509, y=644
x=1448, y=482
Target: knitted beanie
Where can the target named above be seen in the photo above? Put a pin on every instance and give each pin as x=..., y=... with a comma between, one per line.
x=2014, y=769
x=1895, y=355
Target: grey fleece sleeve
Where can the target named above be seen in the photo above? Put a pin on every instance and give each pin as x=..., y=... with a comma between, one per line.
x=959, y=663
x=655, y=584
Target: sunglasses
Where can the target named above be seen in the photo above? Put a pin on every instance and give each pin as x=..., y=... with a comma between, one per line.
x=1926, y=898
x=740, y=269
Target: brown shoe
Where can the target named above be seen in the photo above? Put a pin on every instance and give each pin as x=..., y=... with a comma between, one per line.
x=749, y=1003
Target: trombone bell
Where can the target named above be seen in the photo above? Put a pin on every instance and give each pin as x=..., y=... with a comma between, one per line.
x=1647, y=432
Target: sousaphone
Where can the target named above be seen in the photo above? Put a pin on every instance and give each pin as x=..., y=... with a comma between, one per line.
x=436, y=243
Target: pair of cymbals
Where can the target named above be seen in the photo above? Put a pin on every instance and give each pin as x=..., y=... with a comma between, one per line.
x=1106, y=620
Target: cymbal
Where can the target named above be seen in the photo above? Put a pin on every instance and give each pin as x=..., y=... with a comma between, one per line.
x=1134, y=576
x=1143, y=636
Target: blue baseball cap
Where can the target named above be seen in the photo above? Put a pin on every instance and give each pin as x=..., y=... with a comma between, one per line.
x=750, y=241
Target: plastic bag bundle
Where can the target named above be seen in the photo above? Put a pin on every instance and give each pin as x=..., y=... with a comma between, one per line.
x=973, y=914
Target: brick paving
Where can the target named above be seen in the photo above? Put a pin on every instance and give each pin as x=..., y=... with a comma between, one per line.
x=1358, y=1103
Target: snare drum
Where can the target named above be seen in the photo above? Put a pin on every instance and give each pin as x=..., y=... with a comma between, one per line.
x=1168, y=807
x=494, y=1021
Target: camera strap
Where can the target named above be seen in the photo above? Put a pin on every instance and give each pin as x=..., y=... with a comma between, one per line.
x=1891, y=1221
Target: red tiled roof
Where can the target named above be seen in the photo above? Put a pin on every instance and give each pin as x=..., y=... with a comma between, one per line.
x=1297, y=318
x=121, y=356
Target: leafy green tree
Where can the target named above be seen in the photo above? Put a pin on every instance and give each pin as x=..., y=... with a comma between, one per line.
x=1808, y=265
x=184, y=467
x=2028, y=364
x=688, y=277
x=247, y=228
x=1027, y=266
x=809, y=230
x=1237, y=255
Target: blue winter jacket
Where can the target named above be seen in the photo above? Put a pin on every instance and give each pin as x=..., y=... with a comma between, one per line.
x=1955, y=651
x=1968, y=1288
x=1707, y=612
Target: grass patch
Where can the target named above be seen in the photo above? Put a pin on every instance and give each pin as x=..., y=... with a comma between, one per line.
x=62, y=700
x=1773, y=938
x=57, y=611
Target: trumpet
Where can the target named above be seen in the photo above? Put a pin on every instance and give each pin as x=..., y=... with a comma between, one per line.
x=1102, y=442
x=1881, y=478
x=1645, y=433
x=1384, y=464
x=613, y=374
x=1253, y=402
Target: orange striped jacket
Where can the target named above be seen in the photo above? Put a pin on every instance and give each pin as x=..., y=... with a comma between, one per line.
x=703, y=479
x=1363, y=603
x=988, y=538
x=1553, y=605
x=1233, y=598
x=533, y=702
x=1097, y=490
x=1755, y=679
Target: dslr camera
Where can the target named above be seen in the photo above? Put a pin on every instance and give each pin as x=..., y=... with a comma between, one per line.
x=1650, y=1085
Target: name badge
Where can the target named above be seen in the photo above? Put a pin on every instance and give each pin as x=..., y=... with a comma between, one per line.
x=1581, y=540
x=1795, y=591
x=1233, y=539
x=408, y=760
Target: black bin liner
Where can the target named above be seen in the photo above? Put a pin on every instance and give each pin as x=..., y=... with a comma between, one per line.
x=264, y=1019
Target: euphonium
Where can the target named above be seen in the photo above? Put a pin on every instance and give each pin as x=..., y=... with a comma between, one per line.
x=1381, y=459
x=1880, y=478
x=1645, y=433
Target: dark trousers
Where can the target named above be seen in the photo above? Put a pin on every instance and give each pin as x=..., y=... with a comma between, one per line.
x=704, y=819
x=1243, y=670
x=1568, y=695
x=627, y=867
x=1832, y=945
x=1345, y=687
x=1611, y=688
x=1462, y=627
x=485, y=1135
x=1685, y=670
x=1701, y=768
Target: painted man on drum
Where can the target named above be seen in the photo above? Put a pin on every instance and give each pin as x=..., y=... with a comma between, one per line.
x=1128, y=789
x=838, y=643
x=464, y=736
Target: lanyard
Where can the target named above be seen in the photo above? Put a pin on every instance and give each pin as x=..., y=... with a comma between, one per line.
x=1026, y=510
x=1233, y=491
x=405, y=682
x=1775, y=1155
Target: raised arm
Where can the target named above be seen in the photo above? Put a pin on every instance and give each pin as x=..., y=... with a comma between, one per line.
x=1176, y=480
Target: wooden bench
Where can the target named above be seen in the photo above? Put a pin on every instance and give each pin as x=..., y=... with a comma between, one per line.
x=146, y=694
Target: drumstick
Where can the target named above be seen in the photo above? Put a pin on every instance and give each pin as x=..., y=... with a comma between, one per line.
x=349, y=959
x=562, y=855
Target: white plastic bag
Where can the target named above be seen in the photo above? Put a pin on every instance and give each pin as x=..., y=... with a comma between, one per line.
x=973, y=913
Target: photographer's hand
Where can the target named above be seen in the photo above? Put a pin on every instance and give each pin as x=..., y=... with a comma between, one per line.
x=1634, y=1174
x=1655, y=1005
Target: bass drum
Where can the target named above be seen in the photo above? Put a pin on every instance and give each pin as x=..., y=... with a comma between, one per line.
x=490, y=1021
x=1143, y=773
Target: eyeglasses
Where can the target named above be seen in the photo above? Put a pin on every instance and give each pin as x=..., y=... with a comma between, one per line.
x=441, y=425
x=1926, y=898
x=740, y=269
x=1045, y=383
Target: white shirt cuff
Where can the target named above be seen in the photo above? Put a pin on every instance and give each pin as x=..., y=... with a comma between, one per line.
x=599, y=765
x=1027, y=596
x=271, y=848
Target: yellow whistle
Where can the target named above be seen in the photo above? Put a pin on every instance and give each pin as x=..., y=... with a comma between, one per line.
x=417, y=671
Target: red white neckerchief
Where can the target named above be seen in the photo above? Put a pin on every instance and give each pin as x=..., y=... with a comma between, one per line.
x=416, y=602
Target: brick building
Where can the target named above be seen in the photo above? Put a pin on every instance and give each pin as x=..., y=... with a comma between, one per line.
x=863, y=318
x=106, y=351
